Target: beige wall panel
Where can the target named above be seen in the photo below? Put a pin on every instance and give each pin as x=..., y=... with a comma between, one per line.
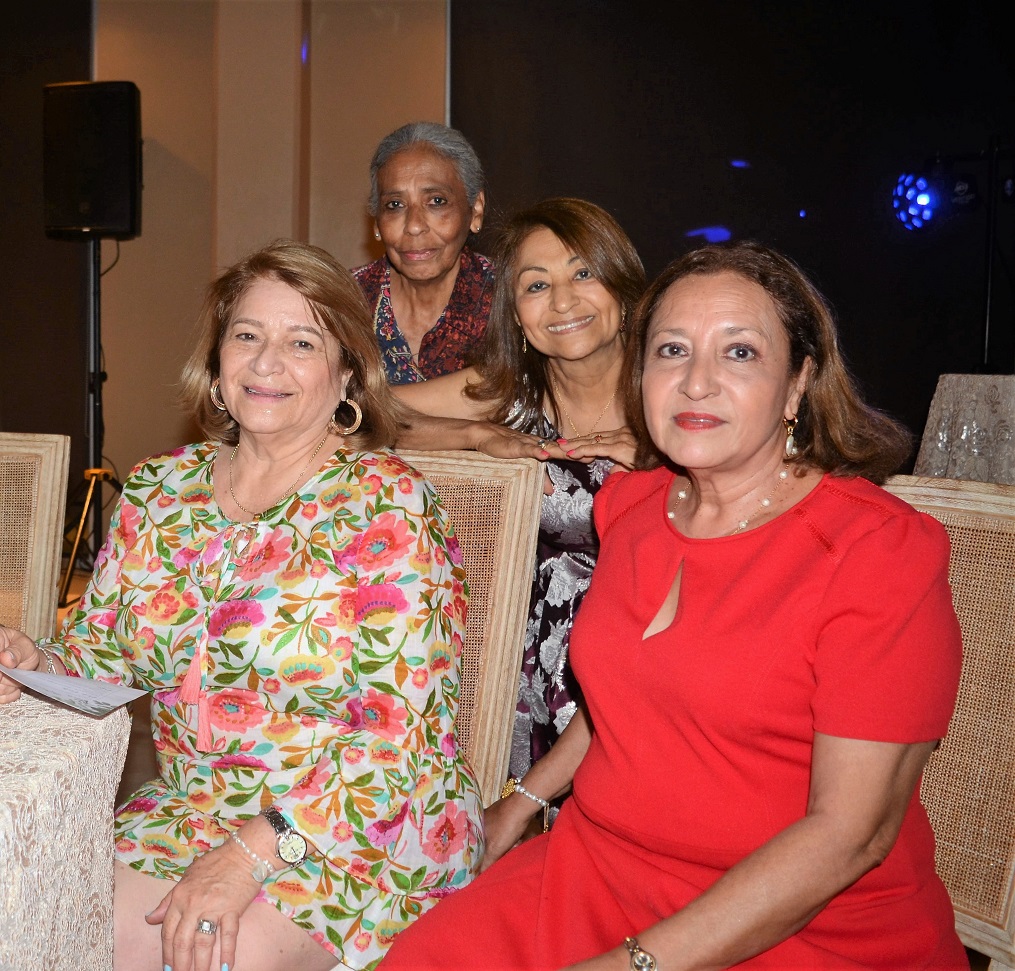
x=375, y=65
x=150, y=299
x=259, y=115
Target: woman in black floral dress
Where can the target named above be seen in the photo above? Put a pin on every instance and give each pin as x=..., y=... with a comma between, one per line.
x=553, y=384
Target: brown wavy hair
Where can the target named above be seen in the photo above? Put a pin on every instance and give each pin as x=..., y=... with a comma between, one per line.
x=512, y=375
x=336, y=303
x=836, y=431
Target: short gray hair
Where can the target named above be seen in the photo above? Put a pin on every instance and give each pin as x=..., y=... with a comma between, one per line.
x=447, y=142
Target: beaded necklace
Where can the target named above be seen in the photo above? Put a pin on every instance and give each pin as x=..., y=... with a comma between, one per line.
x=743, y=523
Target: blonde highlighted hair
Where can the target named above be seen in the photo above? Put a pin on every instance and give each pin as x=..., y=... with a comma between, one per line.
x=335, y=301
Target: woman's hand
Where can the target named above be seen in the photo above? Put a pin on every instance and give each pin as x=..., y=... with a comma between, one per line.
x=17, y=650
x=506, y=823
x=216, y=886
x=618, y=445
x=506, y=443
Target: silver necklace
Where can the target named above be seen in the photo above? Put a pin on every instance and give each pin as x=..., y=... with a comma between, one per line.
x=256, y=516
x=745, y=522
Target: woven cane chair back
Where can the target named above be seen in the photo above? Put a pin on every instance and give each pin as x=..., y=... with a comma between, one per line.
x=33, y=497
x=493, y=505
x=969, y=785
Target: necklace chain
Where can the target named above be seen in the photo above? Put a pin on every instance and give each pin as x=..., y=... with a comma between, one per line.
x=745, y=522
x=570, y=421
x=285, y=495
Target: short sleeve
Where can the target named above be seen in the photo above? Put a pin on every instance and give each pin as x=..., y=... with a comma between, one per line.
x=604, y=504
x=889, y=650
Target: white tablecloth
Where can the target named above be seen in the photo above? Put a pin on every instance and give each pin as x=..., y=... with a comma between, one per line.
x=970, y=430
x=58, y=776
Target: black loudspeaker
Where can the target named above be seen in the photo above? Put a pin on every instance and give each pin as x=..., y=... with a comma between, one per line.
x=91, y=159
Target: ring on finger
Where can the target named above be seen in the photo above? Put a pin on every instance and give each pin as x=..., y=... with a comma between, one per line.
x=543, y=444
x=598, y=439
x=205, y=926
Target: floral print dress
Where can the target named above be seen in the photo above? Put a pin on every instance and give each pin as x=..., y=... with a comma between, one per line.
x=307, y=660
x=565, y=555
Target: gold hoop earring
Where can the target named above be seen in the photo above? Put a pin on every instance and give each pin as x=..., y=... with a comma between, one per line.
x=336, y=429
x=216, y=396
x=791, y=447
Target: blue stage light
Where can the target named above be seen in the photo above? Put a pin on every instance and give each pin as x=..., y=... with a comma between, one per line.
x=914, y=201
x=711, y=234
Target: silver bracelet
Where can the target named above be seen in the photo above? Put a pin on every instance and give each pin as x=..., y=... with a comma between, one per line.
x=50, y=664
x=262, y=868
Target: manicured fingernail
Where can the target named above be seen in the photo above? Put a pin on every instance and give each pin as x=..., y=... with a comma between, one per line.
x=570, y=454
x=167, y=967
x=225, y=967
x=561, y=441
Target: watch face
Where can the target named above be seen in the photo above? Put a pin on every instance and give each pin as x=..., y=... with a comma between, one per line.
x=292, y=848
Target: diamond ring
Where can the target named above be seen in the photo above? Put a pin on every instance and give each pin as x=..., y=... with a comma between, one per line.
x=205, y=926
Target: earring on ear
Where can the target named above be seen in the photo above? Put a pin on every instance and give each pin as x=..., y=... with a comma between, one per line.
x=357, y=417
x=623, y=319
x=791, y=448
x=525, y=344
x=216, y=396
x=377, y=235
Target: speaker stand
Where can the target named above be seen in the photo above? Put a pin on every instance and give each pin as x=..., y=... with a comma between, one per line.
x=95, y=429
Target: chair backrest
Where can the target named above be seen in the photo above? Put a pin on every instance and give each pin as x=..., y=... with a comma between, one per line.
x=33, y=497
x=493, y=505
x=969, y=785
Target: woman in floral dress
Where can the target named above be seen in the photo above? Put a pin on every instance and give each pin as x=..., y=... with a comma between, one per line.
x=292, y=597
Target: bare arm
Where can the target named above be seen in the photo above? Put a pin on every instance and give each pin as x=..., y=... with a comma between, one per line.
x=505, y=821
x=859, y=795
x=443, y=416
x=444, y=397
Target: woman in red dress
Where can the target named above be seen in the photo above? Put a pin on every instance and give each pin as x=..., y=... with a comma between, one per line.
x=768, y=655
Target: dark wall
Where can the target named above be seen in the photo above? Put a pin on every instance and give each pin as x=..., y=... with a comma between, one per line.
x=44, y=285
x=642, y=108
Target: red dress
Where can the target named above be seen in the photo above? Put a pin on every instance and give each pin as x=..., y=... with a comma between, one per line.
x=835, y=617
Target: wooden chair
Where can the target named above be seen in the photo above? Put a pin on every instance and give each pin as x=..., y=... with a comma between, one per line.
x=33, y=497
x=969, y=785
x=493, y=505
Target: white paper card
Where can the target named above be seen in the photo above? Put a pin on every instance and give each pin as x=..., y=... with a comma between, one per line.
x=97, y=698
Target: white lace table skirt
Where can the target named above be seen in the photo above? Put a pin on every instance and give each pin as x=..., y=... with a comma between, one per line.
x=970, y=430
x=58, y=776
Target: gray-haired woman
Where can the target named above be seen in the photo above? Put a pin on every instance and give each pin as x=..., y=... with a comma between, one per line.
x=430, y=293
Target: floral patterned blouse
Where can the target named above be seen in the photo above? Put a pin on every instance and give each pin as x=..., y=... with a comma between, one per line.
x=308, y=660
x=449, y=345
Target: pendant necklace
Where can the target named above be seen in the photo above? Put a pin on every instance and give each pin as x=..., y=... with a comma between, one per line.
x=595, y=424
x=743, y=523
x=256, y=516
